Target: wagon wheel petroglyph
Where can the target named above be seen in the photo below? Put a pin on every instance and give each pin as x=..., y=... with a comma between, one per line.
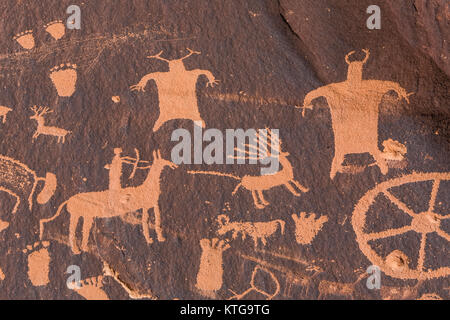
x=396, y=264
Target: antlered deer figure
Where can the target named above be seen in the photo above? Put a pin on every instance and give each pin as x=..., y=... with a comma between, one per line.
x=38, y=115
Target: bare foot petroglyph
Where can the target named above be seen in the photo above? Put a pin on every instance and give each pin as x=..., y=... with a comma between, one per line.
x=38, y=263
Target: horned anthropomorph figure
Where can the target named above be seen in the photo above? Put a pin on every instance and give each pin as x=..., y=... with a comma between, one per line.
x=176, y=90
x=354, y=106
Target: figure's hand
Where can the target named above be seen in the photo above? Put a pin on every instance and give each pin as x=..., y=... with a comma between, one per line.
x=213, y=82
x=304, y=107
x=138, y=87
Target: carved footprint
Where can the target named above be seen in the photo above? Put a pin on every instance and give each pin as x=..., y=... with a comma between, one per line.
x=38, y=263
x=64, y=78
x=25, y=39
x=91, y=289
x=56, y=29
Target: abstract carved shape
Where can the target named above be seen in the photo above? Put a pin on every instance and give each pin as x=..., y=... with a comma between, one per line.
x=3, y=112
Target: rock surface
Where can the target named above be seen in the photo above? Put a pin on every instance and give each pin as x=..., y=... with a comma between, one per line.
x=268, y=56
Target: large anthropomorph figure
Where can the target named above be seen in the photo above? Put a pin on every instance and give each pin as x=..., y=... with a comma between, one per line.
x=176, y=90
x=354, y=106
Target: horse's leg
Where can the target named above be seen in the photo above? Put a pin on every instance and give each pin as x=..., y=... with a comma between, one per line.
x=158, y=228
x=72, y=231
x=145, y=225
x=87, y=226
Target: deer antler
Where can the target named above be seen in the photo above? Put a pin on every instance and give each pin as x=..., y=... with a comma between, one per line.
x=191, y=52
x=45, y=110
x=158, y=56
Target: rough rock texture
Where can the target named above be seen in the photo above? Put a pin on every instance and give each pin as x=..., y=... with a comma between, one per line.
x=268, y=55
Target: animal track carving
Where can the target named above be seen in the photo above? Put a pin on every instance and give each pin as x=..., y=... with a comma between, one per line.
x=210, y=274
x=38, y=263
x=38, y=115
x=307, y=227
x=92, y=289
x=258, y=231
x=56, y=29
x=3, y=112
x=25, y=39
x=64, y=78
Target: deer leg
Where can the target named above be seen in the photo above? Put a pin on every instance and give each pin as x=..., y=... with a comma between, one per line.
x=72, y=232
x=158, y=229
x=145, y=225
x=4, y=118
x=256, y=200
x=299, y=186
x=289, y=187
x=87, y=226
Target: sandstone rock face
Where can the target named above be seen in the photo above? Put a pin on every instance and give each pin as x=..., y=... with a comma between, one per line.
x=97, y=204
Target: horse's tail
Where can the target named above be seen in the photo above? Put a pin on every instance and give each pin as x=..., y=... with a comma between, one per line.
x=42, y=221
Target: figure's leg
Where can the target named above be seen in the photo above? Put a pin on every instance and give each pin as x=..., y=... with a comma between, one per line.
x=158, y=228
x=289, y=187
x=87, y=226
x=145, y=225
x=72, y=232
x=336, y=164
